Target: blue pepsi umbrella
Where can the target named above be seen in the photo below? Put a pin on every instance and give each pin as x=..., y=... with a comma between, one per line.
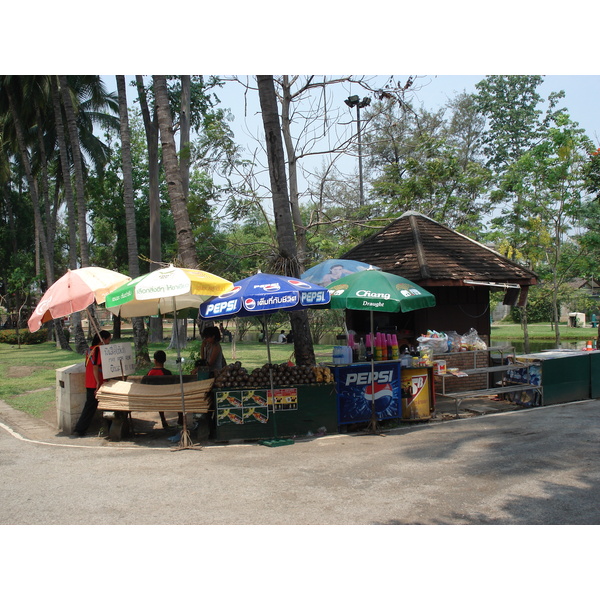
x=332, y=269
x=262, y=294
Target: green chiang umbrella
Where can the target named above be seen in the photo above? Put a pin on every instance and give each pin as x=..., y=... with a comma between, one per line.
x=378, y=291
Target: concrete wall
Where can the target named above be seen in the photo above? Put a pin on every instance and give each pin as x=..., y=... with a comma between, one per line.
x=70, y=396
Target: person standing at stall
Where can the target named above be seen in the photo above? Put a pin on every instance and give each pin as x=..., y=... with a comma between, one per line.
x=211, y=350
x=93, y=381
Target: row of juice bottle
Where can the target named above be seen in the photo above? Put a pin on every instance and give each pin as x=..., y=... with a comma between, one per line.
x=385, y=347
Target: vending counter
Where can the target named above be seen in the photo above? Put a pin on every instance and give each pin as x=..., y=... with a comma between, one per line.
x=253, y=414
x=405, y=393
x=565, y=375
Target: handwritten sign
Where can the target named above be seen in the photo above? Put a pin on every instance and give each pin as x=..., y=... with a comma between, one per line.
x=117, y=360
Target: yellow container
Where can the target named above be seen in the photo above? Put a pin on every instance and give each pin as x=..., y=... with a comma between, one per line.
x=416, y=394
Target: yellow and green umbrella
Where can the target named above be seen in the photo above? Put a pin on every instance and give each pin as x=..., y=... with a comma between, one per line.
x=165, y=291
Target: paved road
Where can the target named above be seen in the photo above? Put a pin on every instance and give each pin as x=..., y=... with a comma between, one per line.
x=537, y=466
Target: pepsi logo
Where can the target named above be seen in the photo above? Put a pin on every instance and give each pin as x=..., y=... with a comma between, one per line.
x=268, y=287
x=377, y=391
x=249, y=303
x=235, y=290
x=299, y=284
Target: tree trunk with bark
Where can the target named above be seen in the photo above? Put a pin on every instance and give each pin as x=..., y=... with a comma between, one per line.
x=303, y=346
x=151, y=128
x=84, y=256
x=292, y=162
x=185, y=238
x=68, y=188
x=140, y=335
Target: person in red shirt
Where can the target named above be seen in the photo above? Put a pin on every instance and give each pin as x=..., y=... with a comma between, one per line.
x=93, y=380
x=160, y=358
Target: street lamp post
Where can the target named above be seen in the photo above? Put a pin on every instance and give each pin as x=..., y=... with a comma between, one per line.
x=350, y=102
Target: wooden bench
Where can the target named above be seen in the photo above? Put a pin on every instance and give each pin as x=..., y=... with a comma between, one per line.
x=124, y=397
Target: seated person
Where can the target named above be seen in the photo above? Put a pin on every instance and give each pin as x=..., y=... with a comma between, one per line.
x=282, y=339
x=290, y=337
x=160, y=358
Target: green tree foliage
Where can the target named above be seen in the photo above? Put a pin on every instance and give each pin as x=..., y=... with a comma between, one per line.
x=428, y=162
x=540, y=308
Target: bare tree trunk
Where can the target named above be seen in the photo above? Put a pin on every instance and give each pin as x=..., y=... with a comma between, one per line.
x=66, y=173
x=151, y=128
x=292, y=162
x=524, y=326
x=80, y=338
x=185, y=238
x=303, y=346
x=33, y=189
x=140, y=335
x=184, y=134
x=77, y=168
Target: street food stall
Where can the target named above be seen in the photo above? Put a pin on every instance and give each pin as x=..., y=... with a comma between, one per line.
x=300, y=402
x=373, y=391
x=275, y=400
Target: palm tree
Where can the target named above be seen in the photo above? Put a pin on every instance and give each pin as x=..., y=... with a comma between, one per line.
x=77, y=94
x=140, y=335
x=151, y=128
x=185, y=238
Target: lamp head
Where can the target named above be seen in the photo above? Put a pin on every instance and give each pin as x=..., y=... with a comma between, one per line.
x=352, y=101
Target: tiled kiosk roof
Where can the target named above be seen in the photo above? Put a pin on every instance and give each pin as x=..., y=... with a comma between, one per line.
x=430, y=254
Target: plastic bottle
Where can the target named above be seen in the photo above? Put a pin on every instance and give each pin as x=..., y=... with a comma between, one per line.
x=351, y=340
x=378, y=347
x=391, y=351
x=362, y=350
x=383, y=346
x=395, y=349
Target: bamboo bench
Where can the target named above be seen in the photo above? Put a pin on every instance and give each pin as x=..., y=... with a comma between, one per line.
x=121, y=398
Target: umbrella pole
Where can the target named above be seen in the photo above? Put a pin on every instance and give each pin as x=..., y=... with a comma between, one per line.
x=268, y=342
x=373, y=424
x=92, y=321
x=275, y=441
x=186, y=441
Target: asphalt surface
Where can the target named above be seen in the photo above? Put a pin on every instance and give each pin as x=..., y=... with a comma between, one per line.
x=526, y=467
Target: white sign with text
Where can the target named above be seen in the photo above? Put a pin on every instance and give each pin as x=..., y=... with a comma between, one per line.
x=117, y=360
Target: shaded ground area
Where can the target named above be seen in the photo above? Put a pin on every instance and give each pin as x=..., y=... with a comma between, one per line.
x=533, y=466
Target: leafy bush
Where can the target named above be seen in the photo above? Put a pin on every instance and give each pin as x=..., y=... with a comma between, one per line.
x=9, y=336
x=539, y=310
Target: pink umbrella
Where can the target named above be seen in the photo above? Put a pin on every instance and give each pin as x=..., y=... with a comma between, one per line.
x=75, y=291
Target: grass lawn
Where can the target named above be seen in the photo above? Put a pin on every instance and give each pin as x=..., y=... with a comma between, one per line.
x=28, y=374
x=542, y=332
